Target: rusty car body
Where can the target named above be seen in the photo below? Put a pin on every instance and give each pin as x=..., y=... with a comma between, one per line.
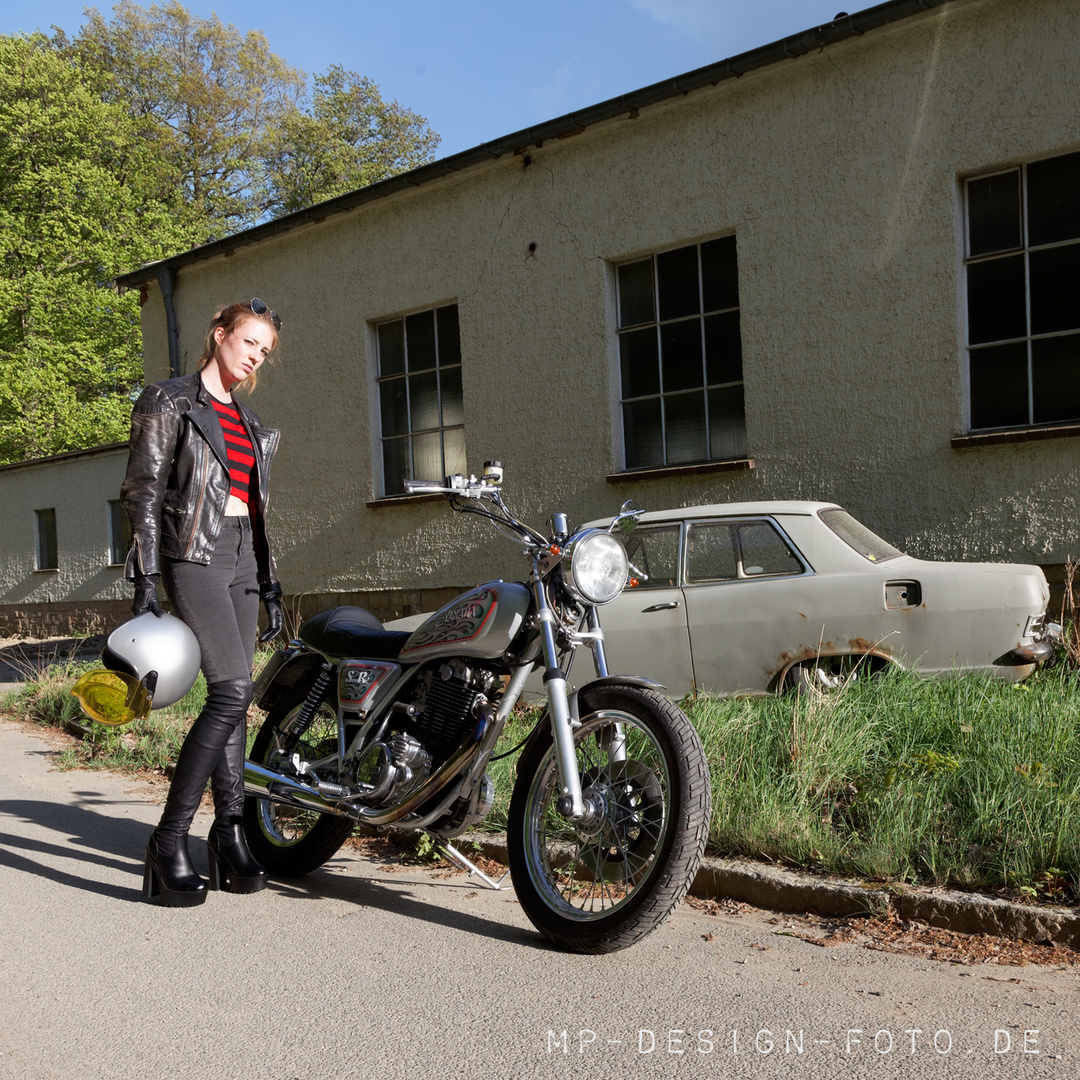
x=758, y=597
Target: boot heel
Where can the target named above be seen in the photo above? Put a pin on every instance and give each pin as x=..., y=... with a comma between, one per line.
x=149, y=881
x=217, y=877
x=179, y=886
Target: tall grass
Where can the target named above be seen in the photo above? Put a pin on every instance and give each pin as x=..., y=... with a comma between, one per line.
x=965, y=782
x=968, y=782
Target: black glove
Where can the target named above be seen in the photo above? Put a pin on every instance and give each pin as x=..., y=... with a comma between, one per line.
x=146, y=595
x=271, y=598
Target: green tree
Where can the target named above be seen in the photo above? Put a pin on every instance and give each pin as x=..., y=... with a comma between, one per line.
x=235, y=127
x=347, y=137
x=74, y=212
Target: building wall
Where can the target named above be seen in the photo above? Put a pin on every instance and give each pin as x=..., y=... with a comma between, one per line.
x=85, y=592
x=840, y=174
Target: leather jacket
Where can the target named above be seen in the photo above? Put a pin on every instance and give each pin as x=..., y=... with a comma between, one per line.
x=177, y=482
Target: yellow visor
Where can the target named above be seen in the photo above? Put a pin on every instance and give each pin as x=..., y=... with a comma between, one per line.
x=112, y=698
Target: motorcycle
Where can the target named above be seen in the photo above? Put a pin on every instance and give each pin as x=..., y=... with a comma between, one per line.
x=394, y=730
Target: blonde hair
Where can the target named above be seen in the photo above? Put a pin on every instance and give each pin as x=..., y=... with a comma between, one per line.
x=228, y=319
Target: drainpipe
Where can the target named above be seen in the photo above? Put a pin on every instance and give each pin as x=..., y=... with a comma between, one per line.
x=166, y=280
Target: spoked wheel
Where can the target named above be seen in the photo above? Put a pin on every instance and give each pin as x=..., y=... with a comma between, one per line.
x=602, y=884
x=287, y=840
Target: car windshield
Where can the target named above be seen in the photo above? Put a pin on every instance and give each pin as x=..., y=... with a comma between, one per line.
x=855, y=534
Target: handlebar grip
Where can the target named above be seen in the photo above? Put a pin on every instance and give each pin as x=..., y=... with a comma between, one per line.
x=418, y=487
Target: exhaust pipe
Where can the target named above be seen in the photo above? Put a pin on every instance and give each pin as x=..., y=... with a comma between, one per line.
x=264, y=783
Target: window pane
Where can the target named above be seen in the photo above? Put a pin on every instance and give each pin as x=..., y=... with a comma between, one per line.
x=677, y=277
x=994, y=213
x=680, y=350
x=1055, y=379
x=710, y=554
x=643, y=434
x=719, y=274
x=453, y=411
x=449, y=339
x=423, y=401
x=427, y=456
x=996, y=307
x=391, y=348
x=684, y=428
x=454, y=451
x=1055, y=289
x=723, y=348
x=393, y=407
x=999, y=386
x=46, y=539
x=727, y=426
x=654, y=550
x=639, y=362
x=1054, y=199
x=420, y=340
x=764, y=551
x=636, y=293
x=396, y=466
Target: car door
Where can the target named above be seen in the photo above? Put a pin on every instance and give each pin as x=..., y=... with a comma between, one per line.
x=745, y=585
x=645, y=631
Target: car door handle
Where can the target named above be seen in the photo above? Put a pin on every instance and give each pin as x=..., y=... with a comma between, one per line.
x=661, y=607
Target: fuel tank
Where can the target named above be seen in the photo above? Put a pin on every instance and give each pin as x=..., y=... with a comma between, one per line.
x=481, y=623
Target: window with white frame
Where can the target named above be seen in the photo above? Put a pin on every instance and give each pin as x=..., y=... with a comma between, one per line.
x=45, y=530
x=680, y=356
x=119, y=532
x=1023, y=305
x=420, y=405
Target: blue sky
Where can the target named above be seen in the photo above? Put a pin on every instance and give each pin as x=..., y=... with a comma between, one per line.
x=479, y=69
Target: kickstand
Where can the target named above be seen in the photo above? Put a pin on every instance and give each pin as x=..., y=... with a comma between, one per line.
x=470, y=868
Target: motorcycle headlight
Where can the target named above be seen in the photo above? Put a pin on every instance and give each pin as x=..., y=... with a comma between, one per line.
x=595, y=566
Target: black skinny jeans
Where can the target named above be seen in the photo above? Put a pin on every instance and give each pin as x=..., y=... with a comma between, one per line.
x=220, y=601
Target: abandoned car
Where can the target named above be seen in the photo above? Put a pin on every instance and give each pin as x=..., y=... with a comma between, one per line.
x=759, y=597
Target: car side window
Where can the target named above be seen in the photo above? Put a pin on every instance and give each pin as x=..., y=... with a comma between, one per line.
x=720, y=551
x=764, y=552
x=654, y=551
x=710, y=553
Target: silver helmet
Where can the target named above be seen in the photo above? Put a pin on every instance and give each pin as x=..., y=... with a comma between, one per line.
x=152, y=662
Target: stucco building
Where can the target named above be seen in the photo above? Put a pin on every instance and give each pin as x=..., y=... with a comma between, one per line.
x=841, y=267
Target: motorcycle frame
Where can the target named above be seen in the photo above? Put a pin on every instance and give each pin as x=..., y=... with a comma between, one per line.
x=464, y=770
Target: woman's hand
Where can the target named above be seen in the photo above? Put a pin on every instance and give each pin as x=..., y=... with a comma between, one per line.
x=146, y=595
x=271, y=598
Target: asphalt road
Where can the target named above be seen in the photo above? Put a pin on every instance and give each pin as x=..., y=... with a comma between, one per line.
x=356, y=971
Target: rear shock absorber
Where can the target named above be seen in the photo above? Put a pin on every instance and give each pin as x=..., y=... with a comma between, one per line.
x=291, y=731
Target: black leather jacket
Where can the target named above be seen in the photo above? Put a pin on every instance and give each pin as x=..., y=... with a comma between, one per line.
x=177, y=481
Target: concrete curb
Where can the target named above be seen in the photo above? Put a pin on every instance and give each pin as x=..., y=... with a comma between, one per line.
x=780, y=889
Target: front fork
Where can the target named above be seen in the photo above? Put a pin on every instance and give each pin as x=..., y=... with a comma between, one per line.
x=572, y=803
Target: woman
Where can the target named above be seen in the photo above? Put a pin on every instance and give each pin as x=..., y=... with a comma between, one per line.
x=196, y=492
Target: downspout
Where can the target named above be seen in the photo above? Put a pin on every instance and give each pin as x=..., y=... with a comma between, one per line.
x=166, y=279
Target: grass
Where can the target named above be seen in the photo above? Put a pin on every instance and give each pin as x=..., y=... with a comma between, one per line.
x=967, y=782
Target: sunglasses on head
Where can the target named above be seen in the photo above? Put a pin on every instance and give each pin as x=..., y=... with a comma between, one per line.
x=259, y=307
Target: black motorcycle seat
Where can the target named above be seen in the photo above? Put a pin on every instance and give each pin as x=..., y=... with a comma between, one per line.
x=351, y=632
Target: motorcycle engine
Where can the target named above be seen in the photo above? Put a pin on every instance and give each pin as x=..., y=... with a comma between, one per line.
x=423, y=732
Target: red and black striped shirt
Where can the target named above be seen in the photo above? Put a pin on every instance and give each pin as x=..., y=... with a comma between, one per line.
x=239, y=450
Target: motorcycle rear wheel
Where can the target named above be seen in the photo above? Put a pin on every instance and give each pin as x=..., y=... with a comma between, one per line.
x=600, y=888
x=286, y=840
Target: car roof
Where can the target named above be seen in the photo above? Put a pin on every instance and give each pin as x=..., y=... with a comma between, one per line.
x=773, y=508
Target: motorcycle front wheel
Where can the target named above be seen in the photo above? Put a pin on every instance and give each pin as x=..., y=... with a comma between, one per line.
x=286, y=840
x=602, y=885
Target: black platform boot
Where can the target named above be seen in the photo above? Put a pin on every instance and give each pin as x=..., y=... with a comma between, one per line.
x=169, y=873
x=232, y=866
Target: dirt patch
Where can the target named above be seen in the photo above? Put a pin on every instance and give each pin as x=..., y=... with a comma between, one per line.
x=894, y=935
